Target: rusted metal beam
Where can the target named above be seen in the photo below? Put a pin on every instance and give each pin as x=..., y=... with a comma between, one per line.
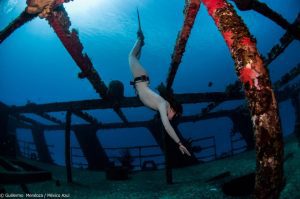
x=265, y=10
x=60, y=22
x=26, y=119
x=183, y=119
x=190, y=13
x=279, y=48
x=282, y=95
x=85, y=116
x=23, y=18
x=285, y=79
x=188, y=98
x=19, y=123
x=126, y=102
x=287, y=93
x=49, y=117
x=260, y=96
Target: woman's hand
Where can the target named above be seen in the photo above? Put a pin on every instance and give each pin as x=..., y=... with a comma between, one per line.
x=183, y=149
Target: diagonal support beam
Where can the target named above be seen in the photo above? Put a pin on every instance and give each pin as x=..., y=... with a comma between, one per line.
x=285, y=41
x=183, y=119
x=27, y=119
x=19, y=123
x=49, y=117
x=278, y=49
x=85, y=116
x=265, y=10
x=191, y=10
x=285, y=79
x=288, y=92
x=23, y=18
x=60, y=22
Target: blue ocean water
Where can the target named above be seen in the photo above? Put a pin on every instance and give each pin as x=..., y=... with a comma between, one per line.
x=35, y=67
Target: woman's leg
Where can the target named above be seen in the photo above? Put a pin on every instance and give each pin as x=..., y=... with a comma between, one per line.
x=134, y=63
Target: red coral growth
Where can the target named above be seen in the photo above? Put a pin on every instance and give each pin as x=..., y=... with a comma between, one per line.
x=228, y=38
x=262, y=104
x=69, y=39
x=213, y=5
x=246, y=41
x=248, y=75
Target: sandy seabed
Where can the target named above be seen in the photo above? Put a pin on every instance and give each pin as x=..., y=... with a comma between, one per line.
x=189, y=182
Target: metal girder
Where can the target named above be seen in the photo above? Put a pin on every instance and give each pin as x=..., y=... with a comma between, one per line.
x=191, y=10
x=49, y=117
x=85, y=116
x=126, y=102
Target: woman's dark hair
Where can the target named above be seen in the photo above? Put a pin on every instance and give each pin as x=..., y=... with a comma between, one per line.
x=176, y=106
x=168, y=95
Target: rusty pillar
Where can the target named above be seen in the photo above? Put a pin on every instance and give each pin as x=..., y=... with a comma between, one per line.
x=260, y=96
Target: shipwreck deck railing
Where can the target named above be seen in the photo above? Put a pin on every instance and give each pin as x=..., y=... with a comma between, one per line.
x=238, y=144
x=28, y=149
x=150, y=153
x=139, y=154
x=209, y=146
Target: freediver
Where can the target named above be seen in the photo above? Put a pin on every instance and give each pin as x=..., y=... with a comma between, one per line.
x=167, y=109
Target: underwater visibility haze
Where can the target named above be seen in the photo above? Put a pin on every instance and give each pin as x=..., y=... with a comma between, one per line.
x=36, y=68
